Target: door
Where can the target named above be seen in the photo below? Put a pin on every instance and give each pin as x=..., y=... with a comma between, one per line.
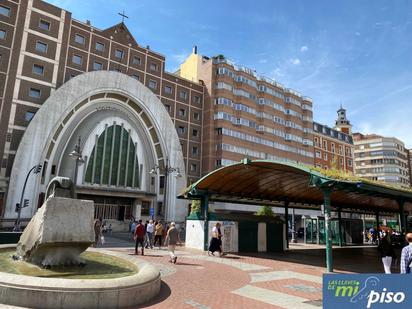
x=248, y=236
x=274, y=237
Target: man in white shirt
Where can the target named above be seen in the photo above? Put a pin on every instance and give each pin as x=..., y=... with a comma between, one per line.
x=149, y=234
x=406, y=257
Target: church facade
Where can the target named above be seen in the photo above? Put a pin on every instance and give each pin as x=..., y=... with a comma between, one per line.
x=124, y=132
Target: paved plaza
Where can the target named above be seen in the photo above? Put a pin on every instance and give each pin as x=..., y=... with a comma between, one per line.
x=284, y=280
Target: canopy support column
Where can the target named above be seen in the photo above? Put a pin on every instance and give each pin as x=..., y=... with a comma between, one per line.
x=402, y=216
x=340, y=226
x=204, y=206
x=328, y=233
x=287, y=224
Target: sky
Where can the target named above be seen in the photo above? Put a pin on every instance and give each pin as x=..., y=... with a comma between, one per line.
x=354, y=53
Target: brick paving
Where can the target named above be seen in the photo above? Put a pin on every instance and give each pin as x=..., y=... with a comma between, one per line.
x=283, y=280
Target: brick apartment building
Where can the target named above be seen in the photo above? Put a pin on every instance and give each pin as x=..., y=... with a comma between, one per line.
x=247, y=115
x=42, y=47
x=334, y=147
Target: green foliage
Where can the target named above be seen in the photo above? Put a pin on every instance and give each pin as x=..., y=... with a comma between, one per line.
x=195, y=207
x=265, y=211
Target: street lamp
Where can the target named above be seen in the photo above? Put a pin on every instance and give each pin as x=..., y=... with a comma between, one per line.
x=77, y=155
x=35, y=169
x=166, y=171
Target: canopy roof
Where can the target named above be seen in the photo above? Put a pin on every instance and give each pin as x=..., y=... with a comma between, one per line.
x=272, y=183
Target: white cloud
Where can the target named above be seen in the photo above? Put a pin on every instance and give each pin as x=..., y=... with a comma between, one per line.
x=304, y=49
x=357, y=33
x=180, y=58
x=295, y=61
x=263, y=61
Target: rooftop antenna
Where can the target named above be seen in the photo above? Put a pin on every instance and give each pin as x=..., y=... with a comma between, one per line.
x=123, y=16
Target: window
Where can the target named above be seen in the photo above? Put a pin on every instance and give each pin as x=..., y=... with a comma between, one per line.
x=29, y=116
x=152, y=84
x=350, y=162
x=332, y=146
x=318, y=155
x=118, y=53
x=35, y=93
x=193, y=167
x=196, y=99
x=45, y=25
x=4, y=11
x=196, y=116
x=97, y=66
x=325, y=145
x=168, y=89
x=341, y=161
x=182, y=112
x=99, y=46
x=167, y=108
x=325, y=156
x=153, y=66
x=2, y=34
x=195, y=132
x=77, y=59
x=78, y=38
x=41, y=47
x=183, y=94
x=181, y=130
x=38, y=69
x=195, y=150
x=136, y=60
x=136, y=76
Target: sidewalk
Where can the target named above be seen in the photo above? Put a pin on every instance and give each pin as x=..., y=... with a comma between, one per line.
x=279, y=280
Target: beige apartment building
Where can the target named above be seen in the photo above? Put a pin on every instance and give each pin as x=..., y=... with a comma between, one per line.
x=382, y=159
x=42, y=47
x=248, y=115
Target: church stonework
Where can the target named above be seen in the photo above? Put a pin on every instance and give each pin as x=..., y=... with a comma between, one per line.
x=125, y=131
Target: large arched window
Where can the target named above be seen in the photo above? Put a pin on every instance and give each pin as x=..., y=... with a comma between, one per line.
x=113, y=160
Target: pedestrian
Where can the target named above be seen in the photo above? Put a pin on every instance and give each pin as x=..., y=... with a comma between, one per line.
x=109, y=229
x=387, y=252
x=97, y=231
x=216, y=241
x=406, y=256
x=139, y=234
x=172, y=237
x=149, y=234
x=132, y=229
x=158, y=234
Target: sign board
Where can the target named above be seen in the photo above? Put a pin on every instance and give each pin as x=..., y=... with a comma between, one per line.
x=151, y=211
x=367, y=291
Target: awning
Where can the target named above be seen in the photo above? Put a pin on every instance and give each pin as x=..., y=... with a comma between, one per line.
x=263, y=182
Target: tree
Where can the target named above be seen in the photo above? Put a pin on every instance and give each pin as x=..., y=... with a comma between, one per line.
x=195, y=207
x=265, y=211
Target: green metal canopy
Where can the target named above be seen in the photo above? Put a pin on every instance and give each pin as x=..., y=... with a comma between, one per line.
x=264, y=182
x=290, y=185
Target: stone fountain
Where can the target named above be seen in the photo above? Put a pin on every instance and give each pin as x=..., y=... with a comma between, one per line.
x=52, y=249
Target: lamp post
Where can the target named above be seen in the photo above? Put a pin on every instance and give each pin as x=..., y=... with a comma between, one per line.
x=77, y=155
x=293, y=240
x=35, y=169
x=166, y=171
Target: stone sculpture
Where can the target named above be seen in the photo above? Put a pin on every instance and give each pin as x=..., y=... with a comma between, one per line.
x=60, y=230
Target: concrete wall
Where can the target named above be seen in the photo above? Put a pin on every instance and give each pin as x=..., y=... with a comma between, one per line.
x=195, y=234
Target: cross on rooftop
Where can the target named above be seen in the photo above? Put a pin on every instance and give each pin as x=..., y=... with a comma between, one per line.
x=123, y=16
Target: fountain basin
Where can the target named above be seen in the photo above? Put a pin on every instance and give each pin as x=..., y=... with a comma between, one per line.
x=136, y=286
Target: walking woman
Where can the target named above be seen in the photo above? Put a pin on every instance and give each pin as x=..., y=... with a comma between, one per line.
x=216, y=241
x=387, y=253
